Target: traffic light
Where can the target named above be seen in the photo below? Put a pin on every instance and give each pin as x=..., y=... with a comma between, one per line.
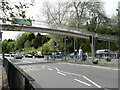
x=0, y=36
x=63, y=41
x=55, y=44
x=90, y=38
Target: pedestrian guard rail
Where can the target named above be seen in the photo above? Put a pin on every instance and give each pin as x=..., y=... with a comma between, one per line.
x=17, y=78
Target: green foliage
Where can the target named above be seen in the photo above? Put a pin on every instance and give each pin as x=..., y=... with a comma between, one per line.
x=12, y=9
x=47, y=48
x=20, y=41
x=30, y=36
x=8, y=46
x=27, y=44
x=4, y=45
x=37, y=41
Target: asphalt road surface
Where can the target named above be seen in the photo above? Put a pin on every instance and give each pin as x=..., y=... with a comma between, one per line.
x=67, y=75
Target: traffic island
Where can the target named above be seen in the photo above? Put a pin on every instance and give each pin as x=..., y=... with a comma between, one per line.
x=112, y=63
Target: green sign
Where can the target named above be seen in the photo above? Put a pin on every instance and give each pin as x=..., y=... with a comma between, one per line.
x=22, y=21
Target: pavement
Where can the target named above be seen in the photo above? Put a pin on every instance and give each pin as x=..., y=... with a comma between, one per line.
x=0, y=78
x=3, y=77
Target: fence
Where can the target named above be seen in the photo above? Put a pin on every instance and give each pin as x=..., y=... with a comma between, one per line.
x=17, y=78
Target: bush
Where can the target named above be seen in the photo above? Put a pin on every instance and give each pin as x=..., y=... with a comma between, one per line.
x=95, y=60
x=108, y=59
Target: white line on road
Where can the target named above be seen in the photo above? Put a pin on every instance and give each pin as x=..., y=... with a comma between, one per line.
x=65, y=72
x=82, y=82
x=57, y=69
x=50, y=69
x=61, y=73
x=71, y=73
x=92, y=82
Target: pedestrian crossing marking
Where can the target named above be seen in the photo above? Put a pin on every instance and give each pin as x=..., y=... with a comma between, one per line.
x=29, y=68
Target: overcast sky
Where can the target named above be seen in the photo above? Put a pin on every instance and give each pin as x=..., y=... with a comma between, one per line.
x=110, y=8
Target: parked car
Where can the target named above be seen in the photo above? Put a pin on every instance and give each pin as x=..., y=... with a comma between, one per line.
x=39, y=56
x=7, y=55
x=72, y=55
x=18, y=56
x=13, y=54
x=108, y=59
x=105, y=53
x=56, y=55
x=28, y=56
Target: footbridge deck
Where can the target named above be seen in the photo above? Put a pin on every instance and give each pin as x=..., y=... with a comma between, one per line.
x=70, y=32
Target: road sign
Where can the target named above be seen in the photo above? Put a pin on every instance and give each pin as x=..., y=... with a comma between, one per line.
x=22, y=21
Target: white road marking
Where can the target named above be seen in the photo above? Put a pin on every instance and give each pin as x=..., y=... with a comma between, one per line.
x=92, y=82
x=57, y=69
x=70, y=73
x=82, y=82
x=65, y=72
x=50, y=69
x=61, y=73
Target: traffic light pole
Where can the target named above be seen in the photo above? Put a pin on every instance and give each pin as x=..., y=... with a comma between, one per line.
x=54, y=49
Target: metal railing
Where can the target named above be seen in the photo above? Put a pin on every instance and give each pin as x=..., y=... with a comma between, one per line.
x=17, y=78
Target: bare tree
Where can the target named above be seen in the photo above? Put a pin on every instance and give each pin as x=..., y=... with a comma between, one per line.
x=57, y=15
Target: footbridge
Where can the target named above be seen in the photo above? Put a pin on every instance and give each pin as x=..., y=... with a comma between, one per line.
x=70, y=32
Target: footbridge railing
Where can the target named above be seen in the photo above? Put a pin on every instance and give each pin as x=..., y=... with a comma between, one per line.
x=17, y=78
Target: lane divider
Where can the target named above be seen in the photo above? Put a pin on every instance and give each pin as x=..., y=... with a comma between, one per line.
x=92, y=82
x=82, y=82
x=61, y=73
x=50, y=69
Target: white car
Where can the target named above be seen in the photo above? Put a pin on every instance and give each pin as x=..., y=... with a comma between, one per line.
x=18, y=56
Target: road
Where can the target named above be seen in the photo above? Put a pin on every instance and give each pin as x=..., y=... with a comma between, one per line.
x=66, y=75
